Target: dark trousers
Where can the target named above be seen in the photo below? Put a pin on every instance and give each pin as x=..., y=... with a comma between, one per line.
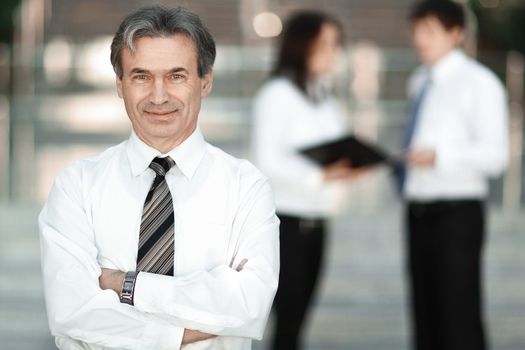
x=302, y=245
x=445, y=241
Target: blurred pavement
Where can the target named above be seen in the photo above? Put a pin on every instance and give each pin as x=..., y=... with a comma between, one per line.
x=360, y=305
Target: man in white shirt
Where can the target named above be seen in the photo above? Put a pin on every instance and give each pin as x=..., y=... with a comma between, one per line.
x=456, y=139
x=162, y=240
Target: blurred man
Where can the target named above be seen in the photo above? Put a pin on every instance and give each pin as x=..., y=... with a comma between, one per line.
x=163, y=239
x=456, y=139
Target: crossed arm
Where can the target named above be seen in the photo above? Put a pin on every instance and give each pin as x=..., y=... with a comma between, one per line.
x=221, y=301
x=114, y=279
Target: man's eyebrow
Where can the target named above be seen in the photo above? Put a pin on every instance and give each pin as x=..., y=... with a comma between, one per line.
x=139, y=71
x=178, y=70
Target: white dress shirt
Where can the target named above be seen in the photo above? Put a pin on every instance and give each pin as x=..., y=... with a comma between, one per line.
x=224, y=212
x=463, y=118
x=285, y=121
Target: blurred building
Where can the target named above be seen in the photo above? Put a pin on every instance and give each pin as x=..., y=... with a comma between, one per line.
x=65, y=106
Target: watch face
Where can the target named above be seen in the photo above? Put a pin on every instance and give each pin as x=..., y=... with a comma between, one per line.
x=128, y=286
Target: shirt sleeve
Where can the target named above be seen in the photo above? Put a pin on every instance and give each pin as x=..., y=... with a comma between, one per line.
x=76, y=306
x=486, y=150
x=223, y=301
x=271, y=147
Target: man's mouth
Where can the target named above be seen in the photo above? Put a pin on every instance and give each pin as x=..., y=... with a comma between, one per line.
x=161, y=113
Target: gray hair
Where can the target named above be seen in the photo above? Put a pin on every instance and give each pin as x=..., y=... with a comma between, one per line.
x=157, y=21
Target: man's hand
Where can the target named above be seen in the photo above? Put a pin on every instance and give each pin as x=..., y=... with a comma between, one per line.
x=191, y=336
x=342, y=170
x=241, y=265
x=111, y=279
x=421, y=158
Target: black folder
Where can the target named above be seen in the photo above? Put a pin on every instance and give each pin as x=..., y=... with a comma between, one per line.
x=359, y=152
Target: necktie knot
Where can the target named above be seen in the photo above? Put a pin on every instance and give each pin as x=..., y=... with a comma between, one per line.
x=161, y=165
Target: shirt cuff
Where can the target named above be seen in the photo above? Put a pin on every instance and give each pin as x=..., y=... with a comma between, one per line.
x=162, y=336
x=149, y=292
x=445, y=159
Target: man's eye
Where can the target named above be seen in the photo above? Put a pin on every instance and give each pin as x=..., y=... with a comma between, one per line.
x=140, y=77
x=176, y=77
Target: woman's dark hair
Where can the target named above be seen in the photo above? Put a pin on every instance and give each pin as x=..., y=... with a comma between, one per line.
x=298, y=35
x=450, y=14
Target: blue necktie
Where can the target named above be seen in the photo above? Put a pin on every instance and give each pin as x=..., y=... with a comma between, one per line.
x=401, y=170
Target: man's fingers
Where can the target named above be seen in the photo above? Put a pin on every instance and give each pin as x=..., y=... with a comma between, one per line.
x=421, y=157
x=191, y=336
x=241, y=265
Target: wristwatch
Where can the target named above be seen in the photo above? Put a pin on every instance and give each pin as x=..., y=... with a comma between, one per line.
x=128, y=287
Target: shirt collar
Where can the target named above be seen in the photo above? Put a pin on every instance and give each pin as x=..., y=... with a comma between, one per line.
x=187, y=155
x=446, y=65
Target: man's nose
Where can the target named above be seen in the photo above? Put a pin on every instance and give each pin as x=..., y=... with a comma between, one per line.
x=159, y=93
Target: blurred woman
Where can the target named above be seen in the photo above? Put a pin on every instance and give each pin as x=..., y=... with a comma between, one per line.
x=292, y=110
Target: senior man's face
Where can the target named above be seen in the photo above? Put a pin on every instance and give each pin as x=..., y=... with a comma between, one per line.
x=162, y=90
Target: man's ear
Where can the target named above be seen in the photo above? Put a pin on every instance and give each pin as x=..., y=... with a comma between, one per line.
x=119, y=86
x=206, y=83
x=459, y=35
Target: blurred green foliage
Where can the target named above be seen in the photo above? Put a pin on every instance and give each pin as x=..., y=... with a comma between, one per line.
x=7, y=8
x=501, y=26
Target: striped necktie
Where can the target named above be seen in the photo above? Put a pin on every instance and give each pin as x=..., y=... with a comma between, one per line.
x=157, y=233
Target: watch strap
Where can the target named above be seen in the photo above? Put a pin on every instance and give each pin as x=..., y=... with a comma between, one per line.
x=128, y=287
